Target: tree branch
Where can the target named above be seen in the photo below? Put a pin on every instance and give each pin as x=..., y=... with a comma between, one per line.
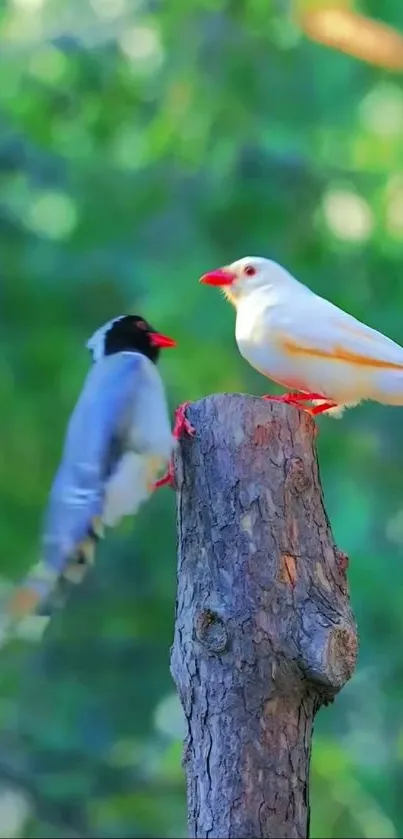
x=264, y=632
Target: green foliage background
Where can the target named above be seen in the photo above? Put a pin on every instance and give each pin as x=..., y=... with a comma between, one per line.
x=142, y=143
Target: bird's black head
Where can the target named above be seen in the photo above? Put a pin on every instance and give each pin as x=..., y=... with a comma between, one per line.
x=128, y=333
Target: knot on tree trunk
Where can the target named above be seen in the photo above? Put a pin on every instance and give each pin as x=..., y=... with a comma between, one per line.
x=264, y=632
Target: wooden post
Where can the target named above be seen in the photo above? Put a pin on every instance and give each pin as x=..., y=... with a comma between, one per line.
x=264, y=632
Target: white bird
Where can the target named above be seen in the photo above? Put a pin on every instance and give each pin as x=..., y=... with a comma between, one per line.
x=305, y=343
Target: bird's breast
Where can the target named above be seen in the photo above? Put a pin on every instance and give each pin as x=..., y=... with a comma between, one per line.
x=150, y=427
x=257, y=340
x=254, y=334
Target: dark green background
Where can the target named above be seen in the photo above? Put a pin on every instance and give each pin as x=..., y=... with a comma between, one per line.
x=142, y=143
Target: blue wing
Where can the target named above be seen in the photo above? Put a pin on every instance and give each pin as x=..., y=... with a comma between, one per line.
x=93, y=446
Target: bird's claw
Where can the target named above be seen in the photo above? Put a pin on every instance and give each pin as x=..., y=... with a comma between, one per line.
x=296, y=399
x=168, y=479
x=320, y=409
x=181, y=426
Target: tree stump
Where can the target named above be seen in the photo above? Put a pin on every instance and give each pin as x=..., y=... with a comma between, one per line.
x=264, y=632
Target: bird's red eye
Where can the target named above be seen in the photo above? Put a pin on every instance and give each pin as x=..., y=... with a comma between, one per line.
x=141, y=324
x=249, y=270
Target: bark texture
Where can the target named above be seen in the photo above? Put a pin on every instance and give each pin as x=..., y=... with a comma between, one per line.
x=264, y=632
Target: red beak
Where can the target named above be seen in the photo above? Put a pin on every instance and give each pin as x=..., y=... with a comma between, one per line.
x=218, y=277
x=161, y=341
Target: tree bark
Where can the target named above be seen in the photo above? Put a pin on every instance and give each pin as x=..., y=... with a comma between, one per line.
x=264, y=632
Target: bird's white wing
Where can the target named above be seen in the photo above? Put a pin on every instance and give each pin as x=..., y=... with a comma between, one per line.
x=310, y=327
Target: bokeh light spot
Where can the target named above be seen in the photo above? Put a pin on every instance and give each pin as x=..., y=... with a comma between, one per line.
x=142, y=43
x=348, y=215
x=381, y=110
x=52, y=214
x=48, y=64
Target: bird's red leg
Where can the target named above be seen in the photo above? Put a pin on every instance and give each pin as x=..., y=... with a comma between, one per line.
x=306, y=397
x=320, y=409
x=181, y=426
x=167, y=479
x=290, y=398
x=296, y=399
x=181, y=423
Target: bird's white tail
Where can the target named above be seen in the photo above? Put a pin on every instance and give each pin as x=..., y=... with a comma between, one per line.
x=388, y=387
